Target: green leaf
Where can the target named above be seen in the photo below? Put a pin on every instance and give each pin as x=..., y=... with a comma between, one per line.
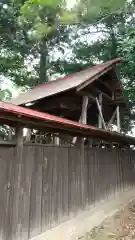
x=67, y=17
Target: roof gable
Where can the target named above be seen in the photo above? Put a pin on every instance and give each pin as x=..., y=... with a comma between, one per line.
x=63, y=84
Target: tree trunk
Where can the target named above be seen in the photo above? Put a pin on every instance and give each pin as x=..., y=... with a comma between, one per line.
x=43, y=62
x=113, y=53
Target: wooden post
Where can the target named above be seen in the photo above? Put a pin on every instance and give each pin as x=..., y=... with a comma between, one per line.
x=118, y=119
x=83, y=117
x=84, y=110
x=81, y=146
x=28, y=135
x=75, y=138
x=100, y=113
x=19, y=137
x=10, y=134
x=57, y=140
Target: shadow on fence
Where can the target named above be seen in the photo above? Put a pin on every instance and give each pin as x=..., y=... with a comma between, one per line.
x=52, y=183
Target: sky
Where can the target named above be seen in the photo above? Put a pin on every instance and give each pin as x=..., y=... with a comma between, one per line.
x=70, y=3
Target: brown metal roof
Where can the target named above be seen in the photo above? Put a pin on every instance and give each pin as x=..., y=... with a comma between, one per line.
x=13, y=115
x=63, y=84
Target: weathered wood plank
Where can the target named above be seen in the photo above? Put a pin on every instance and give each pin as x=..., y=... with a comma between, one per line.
x=62, y=183
x=47, y=187
x=25, y=190
x=8, y=155
x=72, y=181
x=3, y=181
x=36, y=194
x=16, y=183
x=91, y=176
x=55, y=187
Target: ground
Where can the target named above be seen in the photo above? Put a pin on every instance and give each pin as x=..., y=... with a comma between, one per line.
x=121, y=226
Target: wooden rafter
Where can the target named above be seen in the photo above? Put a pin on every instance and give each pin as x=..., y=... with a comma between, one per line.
x=89, y=81
x=105, y=84
x=100, y=112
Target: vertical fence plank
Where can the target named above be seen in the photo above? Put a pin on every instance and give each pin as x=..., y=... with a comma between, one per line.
x=96, y=173
x=62, y=200
x=25, y=190
x=132, y=164
x=101, y=172
x=56, y=186
x=36, y=193
x=74, y=184
x=17, y=181
x=120, y=174
x=8, y=155
x=47, y=172
x=71, y=183
x=3, y=182
x=91, y=175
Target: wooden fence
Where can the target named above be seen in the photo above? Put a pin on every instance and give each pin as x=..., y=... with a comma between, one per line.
x=51, y=184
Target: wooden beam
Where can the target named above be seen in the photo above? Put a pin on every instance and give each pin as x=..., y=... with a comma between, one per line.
x=100, y=112
x=99, y=116
x=92, y=79
x=97, y=91
x=83, y=116
x=118, y=119
x=56, y=103
x=105, y=84
x=4, y=142
x=112, y=119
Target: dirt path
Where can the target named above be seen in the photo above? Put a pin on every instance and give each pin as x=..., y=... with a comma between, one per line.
x=119, y=227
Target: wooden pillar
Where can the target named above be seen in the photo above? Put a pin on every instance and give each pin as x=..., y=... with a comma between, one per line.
x=84, y=110
x=75, y=138
x=83, y=117
x=57, y=140
x=118, y=119
x=28, y=135
x=19, y=137
x=83, y=187
x=10, y=134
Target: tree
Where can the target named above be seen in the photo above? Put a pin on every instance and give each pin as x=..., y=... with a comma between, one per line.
x=30, y=31
x=33, y=31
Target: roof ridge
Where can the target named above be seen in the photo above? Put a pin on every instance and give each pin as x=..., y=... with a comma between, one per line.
x=70, y=75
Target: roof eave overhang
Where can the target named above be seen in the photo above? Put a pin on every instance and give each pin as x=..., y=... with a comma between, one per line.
x=34, y=119
x=91, y=80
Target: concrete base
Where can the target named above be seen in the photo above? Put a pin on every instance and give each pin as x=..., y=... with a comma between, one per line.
x=77, y=227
